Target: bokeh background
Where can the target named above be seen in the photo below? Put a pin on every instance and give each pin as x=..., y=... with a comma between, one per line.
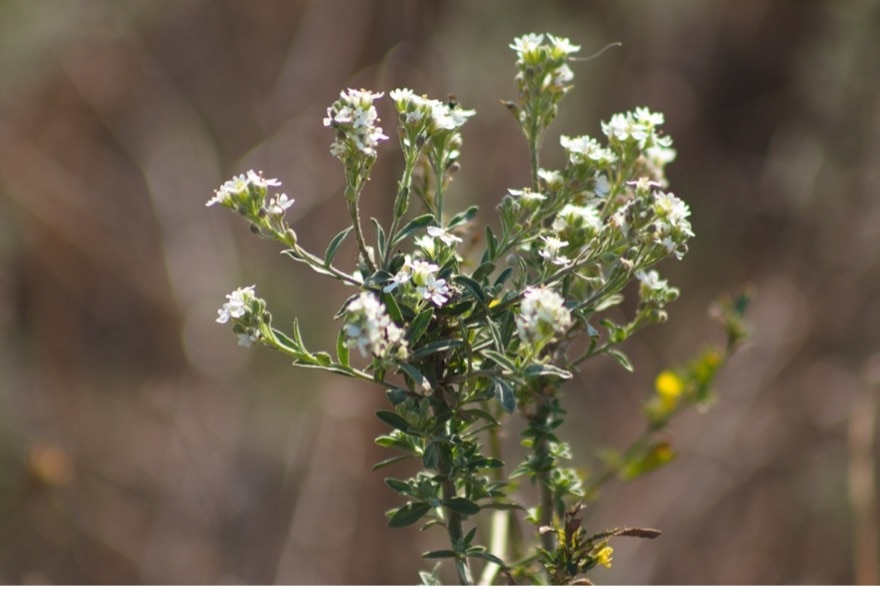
x=139, y=444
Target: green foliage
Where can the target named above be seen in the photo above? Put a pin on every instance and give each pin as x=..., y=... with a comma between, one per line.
x=461, y=344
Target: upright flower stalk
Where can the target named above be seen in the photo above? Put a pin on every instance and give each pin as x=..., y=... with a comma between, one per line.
x=460, y=341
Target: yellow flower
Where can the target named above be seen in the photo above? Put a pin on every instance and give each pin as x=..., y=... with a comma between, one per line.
x=604, y=556
x=670, y=387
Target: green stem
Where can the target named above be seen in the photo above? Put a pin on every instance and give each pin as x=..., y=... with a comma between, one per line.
x=454, y=527
x=354, y=211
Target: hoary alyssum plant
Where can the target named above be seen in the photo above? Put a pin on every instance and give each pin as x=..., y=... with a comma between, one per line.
x=467, y=344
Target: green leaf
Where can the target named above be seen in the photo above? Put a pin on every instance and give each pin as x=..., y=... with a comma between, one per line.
x=502, y=278
x=462, y=505
x=412, y=372
x=394, y=420
x=473, y=286
x=462, y=217
x=434, y=347
x=419, y=325
x=380, y=235
x=491, y=244
x=286, y=341
x=342, y=350
x=431, y=457
x=396, y=396
x=505, y=396
x=389, y=461
x=608, y=301
x=399, y=486
x=546, y=370
x=500, y=359
x=440, y=554
x=486, y=556
x=408, y=514
x=392, y=307
x=621, y=358
x=416, y=224
x=334, y=245
x=323, y=358
x=483, y=271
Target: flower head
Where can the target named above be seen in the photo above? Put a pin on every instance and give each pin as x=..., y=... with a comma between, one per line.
x=369, y=329
x=237, y=305
x=241, y=189
x=543, y=315
x=355, y=120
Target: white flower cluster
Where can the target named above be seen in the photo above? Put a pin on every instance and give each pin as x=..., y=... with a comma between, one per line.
x=653, y=289
x=242, y=188
x=369, y=329
x=542, y=315
x=355, y=120
x=239, y=306
x=428, y=114
x=671, y=225
x=423, y=276
x=577, y=224
x=639, y=126
x=548, y=60
x=586, y=150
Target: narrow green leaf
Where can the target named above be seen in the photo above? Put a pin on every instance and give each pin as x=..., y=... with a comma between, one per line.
x=380, y=235
x=440, y=554
x=463, y=217
x=286, y=341
x=504, y=395
x=502, y=278
x=491, y=244
x=323, y=358
x=408, y=514
x=462, y=506
x=334, y=245
x=621, y=359
x=389, y=461
x=608, y=301
x=483, y=271
x=419, y=325
x=412, y=372
x=416, y=224
x=394, y=420
x=500, y=359
x=392, y=307
x=434, y=347
x=404, y=445
x=546, y=370
x=482, y=554
x=473, y=286
x=342, y=350
x=398, y=486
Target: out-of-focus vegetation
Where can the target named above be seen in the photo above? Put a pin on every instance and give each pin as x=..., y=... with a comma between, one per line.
x=139, y=444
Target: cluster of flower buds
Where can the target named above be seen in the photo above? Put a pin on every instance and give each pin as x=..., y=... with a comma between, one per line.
x=543, y=315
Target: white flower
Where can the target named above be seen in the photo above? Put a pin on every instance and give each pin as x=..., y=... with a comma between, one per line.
x=434, y=290
x=402, y=277
x=526, y=196
x=672, y=209
x=527, y=47
x=562, y=46
x=443, y=235
x=422, y=271
x=236, y=305
x=542, y=315
x=278, y=204
x=551, y=250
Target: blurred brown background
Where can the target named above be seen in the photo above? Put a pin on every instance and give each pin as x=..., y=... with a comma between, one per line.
x=139, y=444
